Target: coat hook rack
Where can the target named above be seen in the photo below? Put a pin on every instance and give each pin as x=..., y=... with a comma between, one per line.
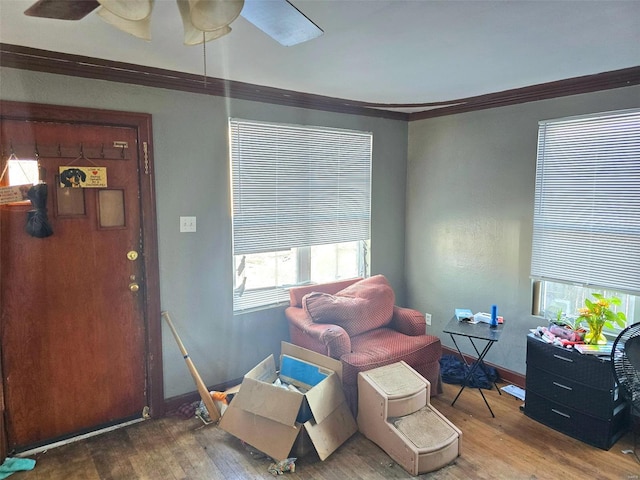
x=82, y=156
x=12, y=154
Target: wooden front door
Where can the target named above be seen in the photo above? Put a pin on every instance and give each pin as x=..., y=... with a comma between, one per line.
x=79, y=344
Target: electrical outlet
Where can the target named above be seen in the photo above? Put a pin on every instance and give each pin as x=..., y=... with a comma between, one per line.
x=427, y=317
x=187, y=224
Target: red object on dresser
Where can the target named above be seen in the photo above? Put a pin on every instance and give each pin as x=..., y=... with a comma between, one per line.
x=357, y=322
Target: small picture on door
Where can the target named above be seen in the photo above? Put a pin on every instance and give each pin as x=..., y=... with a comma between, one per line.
x=83, y=177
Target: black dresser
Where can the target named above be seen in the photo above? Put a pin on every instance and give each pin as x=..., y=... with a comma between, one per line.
x=574, y=394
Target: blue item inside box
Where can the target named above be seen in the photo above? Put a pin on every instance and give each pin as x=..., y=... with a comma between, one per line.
x=301, y=374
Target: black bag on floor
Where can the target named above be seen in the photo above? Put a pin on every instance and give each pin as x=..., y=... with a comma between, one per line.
x=453, y=370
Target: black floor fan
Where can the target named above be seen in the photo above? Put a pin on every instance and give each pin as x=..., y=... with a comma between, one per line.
x=625, y=358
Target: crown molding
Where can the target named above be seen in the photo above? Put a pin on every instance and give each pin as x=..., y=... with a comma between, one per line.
x=27, y=58
x=572, y=86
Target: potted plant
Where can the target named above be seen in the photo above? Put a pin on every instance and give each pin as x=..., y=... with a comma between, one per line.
x=597, y=314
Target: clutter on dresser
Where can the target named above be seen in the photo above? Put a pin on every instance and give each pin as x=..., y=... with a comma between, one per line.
x=566, y=337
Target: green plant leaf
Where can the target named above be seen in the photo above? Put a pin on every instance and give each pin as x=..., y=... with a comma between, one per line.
x=615, y=301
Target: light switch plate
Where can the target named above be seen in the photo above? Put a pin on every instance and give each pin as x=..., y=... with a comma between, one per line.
x=187, y=224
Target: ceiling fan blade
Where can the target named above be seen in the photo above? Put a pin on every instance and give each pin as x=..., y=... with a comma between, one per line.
x=62, y=9
x=281, y=21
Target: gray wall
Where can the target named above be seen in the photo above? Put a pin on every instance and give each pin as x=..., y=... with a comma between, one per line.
x=468, y=187
x=470, y=193
x=192, y=178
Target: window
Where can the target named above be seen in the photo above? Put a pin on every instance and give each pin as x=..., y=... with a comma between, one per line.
x=301, y=208
x=586, y=227
x=563, y=300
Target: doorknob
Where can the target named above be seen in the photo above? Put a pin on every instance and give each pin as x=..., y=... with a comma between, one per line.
x=134, y=287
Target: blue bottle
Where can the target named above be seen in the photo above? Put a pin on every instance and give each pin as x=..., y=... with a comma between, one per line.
x=494, y=316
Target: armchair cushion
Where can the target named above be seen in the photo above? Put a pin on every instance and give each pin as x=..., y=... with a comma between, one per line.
x=296, y=294
x=390, y=346
x=362, y=306
x=330, y=340
x=408, y=321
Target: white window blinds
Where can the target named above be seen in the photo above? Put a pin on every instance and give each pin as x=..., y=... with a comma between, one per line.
x=296, y=186
x=586, y=227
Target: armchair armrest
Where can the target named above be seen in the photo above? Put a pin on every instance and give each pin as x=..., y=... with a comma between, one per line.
x=333, y=339
x=408, y=321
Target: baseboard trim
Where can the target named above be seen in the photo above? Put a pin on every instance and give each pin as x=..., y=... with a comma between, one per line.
x=173, y=403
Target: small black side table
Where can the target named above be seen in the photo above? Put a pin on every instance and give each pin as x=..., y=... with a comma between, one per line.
x=478, y=331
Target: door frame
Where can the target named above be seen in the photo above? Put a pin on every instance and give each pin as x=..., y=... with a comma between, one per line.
x=141, y=122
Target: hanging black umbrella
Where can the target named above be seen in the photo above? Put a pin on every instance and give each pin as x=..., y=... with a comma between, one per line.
x=37, y=221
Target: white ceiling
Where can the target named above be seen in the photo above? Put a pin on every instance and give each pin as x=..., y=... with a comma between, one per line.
x=377, y=51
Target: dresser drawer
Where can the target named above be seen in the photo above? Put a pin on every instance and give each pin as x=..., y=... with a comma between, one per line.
x=564, y=391
x=594, y=431
x=585, y=369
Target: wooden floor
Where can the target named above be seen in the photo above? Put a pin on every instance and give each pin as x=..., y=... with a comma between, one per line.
x=510, y=446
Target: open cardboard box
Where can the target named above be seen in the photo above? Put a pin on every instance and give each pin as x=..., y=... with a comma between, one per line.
x=271, y=418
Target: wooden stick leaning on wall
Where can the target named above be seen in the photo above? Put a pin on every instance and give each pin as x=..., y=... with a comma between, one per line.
x=214, y=414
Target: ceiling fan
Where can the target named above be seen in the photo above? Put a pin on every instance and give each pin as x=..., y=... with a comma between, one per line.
x=203, y=20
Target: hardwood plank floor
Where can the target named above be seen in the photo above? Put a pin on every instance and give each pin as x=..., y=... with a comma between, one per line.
x=510, y=447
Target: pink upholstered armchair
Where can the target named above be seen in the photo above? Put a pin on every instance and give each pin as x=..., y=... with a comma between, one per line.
x=357, y=322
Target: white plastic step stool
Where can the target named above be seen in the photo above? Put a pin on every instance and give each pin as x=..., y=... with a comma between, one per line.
x=394, y=411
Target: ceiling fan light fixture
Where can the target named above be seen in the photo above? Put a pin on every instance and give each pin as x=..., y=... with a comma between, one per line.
x=210, y=15
x=194, y=35
x=137, y=28
x=135, y=10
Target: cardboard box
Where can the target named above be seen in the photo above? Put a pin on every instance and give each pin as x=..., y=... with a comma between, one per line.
x=271, y=418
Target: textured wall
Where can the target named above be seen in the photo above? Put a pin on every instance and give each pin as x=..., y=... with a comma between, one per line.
x=192, y=178
x=469, y=202
x=470, y=193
